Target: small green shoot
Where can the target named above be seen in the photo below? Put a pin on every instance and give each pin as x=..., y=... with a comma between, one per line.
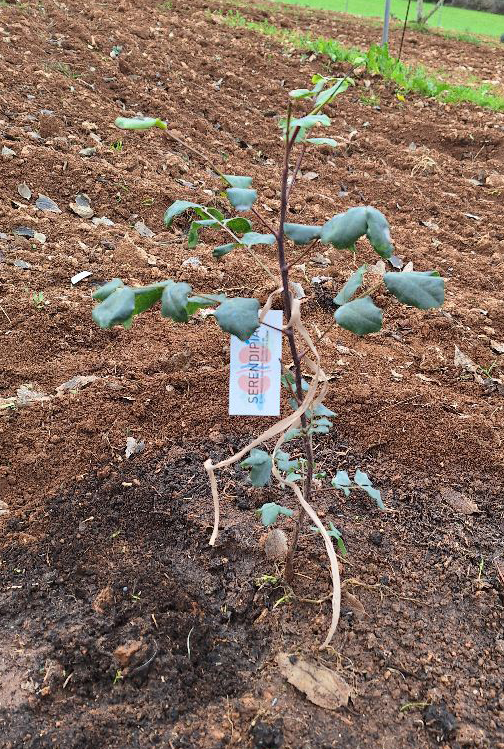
x=118, y=676
x=38, y=300
x=117, y=146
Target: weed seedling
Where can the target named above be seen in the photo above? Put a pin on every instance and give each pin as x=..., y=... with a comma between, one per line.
x=304, y=381
x=117, y=146
x=38, y=300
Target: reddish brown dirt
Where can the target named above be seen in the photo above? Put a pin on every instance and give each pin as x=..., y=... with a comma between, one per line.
x=99, y=551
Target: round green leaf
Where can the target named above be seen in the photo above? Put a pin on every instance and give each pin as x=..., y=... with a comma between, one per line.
x=223, y=249
x=344, y=229
x=323, y=142
x=270, y=512
x=238, y=224
x=238, y=316
x=311, y=120
x=174, y=301
x=116, y=309
x=422, y=290
x=260, y=464
x=378, y=232
x=360, y=316
x=253, y=237
x=241, y=198
x=139, y=123
x=107, y=289
x=300, y=93
x=351, y=286
x=302, y=233
x=147, y=296
x=234, y=181
x=176, y=208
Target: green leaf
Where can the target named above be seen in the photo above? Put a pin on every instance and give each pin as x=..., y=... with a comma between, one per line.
x=323, y=142
x=378, y=232
x=362, y=480
x=238, y=224
x=204, y=212
x=238, y=316
x=422, y=290
x=252, y=237
x=205, y=223
x=360, y=316
x=260, y=463
x=107, y=289
x=235, y=181
x=116, y=309
x=344, y=229
x=147, y=296
x=300, y=93
x=326, y=96
x=139, y=123
x=270, y=512
x=334, y=533
x=302, y=233
x=342, y=481
x=310, y=120
x=292, y=434
x=321, y=410
x=174, y=301
x=194, y=303
x=193, y=236
x=176, y=208
x=223, y=249
x=284, y=462
x=321, y=426
x=351, y=286
x=241, y=198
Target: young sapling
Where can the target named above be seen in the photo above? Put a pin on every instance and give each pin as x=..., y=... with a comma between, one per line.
x=355, y=311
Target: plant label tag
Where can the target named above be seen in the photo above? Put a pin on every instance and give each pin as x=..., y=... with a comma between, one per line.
x=254, y=380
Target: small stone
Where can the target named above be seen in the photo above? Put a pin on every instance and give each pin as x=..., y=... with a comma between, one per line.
x=43, y=203
x=22, y=264
x=144, y=230
x=82, y=210
x=87, y=152
x=8, y=153
x=102, y=221
x=24, y=191
x=276, y=545
x=193, y=261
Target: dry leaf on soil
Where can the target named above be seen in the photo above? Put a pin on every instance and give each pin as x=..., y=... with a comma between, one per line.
x=322, y=686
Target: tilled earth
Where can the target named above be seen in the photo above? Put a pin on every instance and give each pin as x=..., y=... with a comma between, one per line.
x=120, y=626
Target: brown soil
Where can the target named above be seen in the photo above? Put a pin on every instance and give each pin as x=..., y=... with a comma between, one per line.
x=120, y=626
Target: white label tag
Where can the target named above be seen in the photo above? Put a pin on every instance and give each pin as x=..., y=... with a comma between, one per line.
x=254, y=379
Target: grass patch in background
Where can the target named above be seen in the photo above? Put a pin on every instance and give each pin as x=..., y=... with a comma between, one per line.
x=453, y=19
x=408, y=78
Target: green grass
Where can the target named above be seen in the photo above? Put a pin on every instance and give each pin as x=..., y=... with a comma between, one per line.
x=453, y=19
x=407, y=78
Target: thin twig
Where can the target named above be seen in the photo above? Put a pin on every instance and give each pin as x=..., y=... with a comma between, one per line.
x=256, y=258
x=6, y=315
x=302, y=254
x=263, y=221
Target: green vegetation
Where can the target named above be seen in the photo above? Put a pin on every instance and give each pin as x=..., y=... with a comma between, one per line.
x=455, y=19
x=408, y=78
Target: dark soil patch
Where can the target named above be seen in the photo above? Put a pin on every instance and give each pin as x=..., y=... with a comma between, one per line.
x=100, y=553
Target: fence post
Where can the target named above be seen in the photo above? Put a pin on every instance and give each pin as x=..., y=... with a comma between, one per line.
x=386, y=24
